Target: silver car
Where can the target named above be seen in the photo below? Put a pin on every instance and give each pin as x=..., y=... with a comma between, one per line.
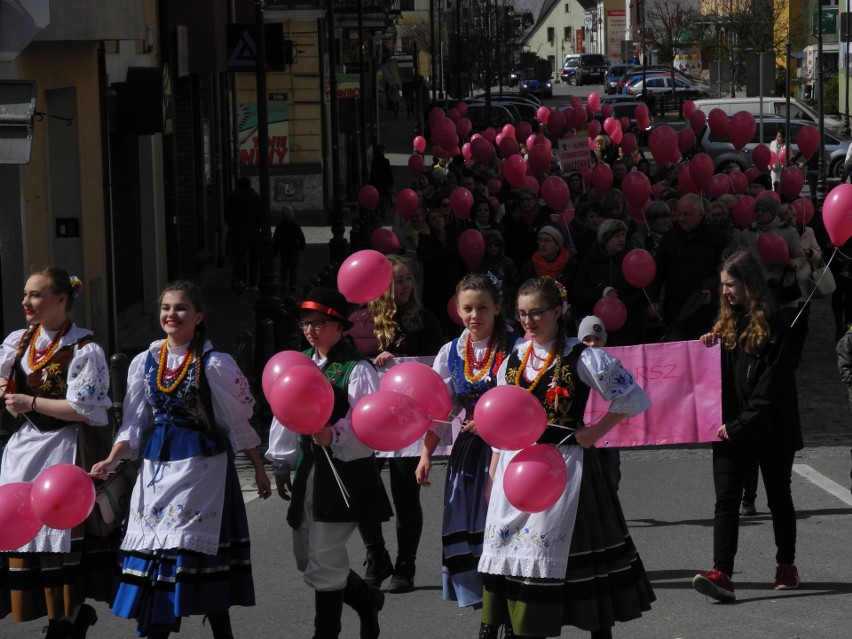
x=724, y=153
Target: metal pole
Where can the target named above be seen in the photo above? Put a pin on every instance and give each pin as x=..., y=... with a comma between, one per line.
x=362, y=100
x=432, y=49
x=760, y=93
x=337, y=245
x=821, y=186
x=787, y=100
x=458, y=64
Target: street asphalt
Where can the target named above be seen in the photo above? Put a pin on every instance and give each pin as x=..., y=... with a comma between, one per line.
x=666, y=494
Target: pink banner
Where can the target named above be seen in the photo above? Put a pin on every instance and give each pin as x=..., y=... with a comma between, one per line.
x=684, y=382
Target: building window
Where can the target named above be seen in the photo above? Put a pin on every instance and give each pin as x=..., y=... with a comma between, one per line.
x=552, y=61
x=551, y=34
x=567, y=8
x=566, y=34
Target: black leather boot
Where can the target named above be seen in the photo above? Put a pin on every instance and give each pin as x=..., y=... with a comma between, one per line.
x=57, y=629
x=328, y=610
x=86, y=618
x=603, y=633
x=488, y=631
x=220, y=624
x=366, y=601
x=379, y=567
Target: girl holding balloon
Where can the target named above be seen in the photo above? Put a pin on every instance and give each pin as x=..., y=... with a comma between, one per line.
x=186, y=549
x=588, y=573
x=55, y=379
x=468, y=365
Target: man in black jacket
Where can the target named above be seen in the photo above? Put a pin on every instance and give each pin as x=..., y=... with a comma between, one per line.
x=688, y=260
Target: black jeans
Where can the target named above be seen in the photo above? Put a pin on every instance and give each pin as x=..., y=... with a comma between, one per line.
x=730, y=465
x=405, y=492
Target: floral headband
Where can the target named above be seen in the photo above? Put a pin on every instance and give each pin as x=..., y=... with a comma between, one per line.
x=563, y=294
x=493, y=279
x=76, y=286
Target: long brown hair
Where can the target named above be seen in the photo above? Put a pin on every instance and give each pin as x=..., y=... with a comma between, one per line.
x=384, y=310
x=744, y=267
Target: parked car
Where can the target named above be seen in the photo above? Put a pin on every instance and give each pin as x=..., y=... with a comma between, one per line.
x=724, y=153
x=662, y=84
x=535, y=86
x=500, y=114
x=771, y=106
x=522, y=109
x=513, y=77
x=591, y=66
x=569, y=69
x=614, y=74
x=627, y=108
x=630, y=76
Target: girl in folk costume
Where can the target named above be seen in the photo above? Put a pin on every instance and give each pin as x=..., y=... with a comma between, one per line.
x=573, y=563
x=186, y=547
x=55, y=380
x=321, y=519
x=468, y=365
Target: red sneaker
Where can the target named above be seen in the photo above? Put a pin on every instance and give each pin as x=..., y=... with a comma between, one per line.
x=786, y=577
x=715, y=584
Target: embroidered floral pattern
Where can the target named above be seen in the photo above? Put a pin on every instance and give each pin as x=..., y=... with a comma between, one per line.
x=519, y=538
x=173, y=515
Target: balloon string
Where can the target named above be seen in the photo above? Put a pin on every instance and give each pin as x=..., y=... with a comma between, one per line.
x=343, y=492
x=567, y=229
x=815, y=288
x=651, y=304
x=442, y=421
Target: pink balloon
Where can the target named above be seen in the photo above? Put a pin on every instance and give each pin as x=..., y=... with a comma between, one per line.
x=509, y=418
x=472, y=248
x=62, y=496
x=489, y=134
x=808, y=140
x=594, y=100
x=688, y=108
x=719, y=185
x=606, y=110
x=612, y=312
x=454, y=114
x=530, y=142
x=770, y=194
x=577, y=118
x=602, y=179
x=18, y=523
x=697, y=121
x=563, y=219
x=364, y=276
x=424, y=385
x=388, y=421
x=434, y=114
x=616, y=136
x=792, y=181
x=701, y=170
x=629, y=143
x=384, y=241
x=460, y=202
x=444, y=132
x=685, y=140
x=482, y=150
x=461, y=107
x=751, y=173
x=744, y=211
x=762, y=156
x=279, y=363
x=782, y=155
x=416, y=165
x=368, y=197
x=686, y=184
x=508, y=146
x=610, y=125
x=741, y=129
x=419, y=144
x=556, y=122
x=538, y=159
x=718, y=121
x=522, y=131
x=529, y=182
x=639, y=268
x=594, y=128
x=514, y=169
x=804, y=210
x=642, y=115
x=302, y=399
x=576, y=101
x=554, y=192
x=463, y=127
x=739, y=180
x=772, y=248
x=467, y=154
x=663, y=143
x=407, y=202
x=636, y=188
x=837, y=214
x=535, y=478
x=453, y=311
x=543, y=114
x=494, y=185
x=508, y=129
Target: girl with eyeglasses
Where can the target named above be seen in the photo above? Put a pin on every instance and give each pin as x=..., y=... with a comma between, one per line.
x=589, y=573
x=468, y=364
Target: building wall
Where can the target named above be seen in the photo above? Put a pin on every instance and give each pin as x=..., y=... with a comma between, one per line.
x=558, y=19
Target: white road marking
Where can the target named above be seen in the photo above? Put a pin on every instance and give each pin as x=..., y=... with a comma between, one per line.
x=828, y=485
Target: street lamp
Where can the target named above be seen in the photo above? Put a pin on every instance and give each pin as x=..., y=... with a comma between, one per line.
x=821, y=186
x=846, y=130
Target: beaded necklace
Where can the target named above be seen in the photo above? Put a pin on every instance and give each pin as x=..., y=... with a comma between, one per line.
x=550, y=357
x=172, y=376
x=38, y=357
x=470, y=361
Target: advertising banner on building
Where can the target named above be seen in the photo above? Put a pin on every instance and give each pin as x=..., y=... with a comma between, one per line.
x=278, y=119
x=616, y=28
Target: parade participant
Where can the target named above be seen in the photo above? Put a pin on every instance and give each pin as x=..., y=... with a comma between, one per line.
x=760, y=411
x=55, y=380
x=321, y=519
x=468, y=364
x=589, y=574
x=396, y=325
x=186, y=548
